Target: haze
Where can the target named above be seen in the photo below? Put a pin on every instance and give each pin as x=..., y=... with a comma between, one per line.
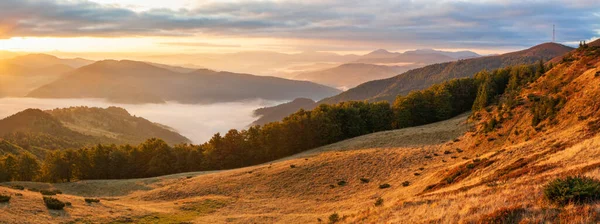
x=196, y=122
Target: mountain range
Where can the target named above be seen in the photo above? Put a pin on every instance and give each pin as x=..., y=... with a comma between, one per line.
x=388, y=89
x=138, y=82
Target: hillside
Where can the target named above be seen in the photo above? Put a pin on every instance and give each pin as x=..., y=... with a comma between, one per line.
x=36, y=131
x=17, y=79
x=463, y=170
x=115, y=123
x=277, y=113
x=350, y=75
x=421, y=56
x=388, y=89
x=138, y=82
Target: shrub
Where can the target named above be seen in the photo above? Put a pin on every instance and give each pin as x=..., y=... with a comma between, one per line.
x=53, y=203
x=428, y=157
x=405, y=183
x=447, y=152
x=379, y=202
x=459, y=150
x=47, y=192
x=384, y=186
x=292, y=166
x=92, y=200
x=421, y=168
x=572, y=189
x=18, y=194
x=33, y=189
x=342, y=183
x=333, y=218
x=470, y=166
x=4, y=198
x=417, y=174
x=68, y=204
x=364, y=180
x=17, y=187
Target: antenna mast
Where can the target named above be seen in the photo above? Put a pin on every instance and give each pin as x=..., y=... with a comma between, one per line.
x=553, y=34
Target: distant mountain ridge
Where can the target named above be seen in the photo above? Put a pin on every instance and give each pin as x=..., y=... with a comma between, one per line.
x=427, y=56
x=388, y=89
x=139, y=82
x=277, y=113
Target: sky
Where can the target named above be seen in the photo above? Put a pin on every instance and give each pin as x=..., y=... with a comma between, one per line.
x=343, y=26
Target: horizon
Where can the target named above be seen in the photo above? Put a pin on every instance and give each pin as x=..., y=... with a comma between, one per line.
x=112, y=29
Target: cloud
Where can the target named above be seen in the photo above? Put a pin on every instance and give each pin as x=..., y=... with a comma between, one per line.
x=428, y=23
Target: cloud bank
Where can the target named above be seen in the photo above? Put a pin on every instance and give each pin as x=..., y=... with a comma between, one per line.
x=458, y=24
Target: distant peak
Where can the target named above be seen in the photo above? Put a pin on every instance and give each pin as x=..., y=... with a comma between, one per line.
x=380, y=51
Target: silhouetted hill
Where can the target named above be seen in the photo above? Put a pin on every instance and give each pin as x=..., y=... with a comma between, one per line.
x=46, y=60
x=277, y=113
x=139, y=82
x=388, y=89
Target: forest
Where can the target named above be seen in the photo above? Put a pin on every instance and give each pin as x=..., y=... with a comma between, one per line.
x=298, y=132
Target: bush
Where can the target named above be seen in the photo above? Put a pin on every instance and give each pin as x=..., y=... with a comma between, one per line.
x=68, y=204
x=577, y=189
x=405, y=183
x=53, y=203
x=379, y=202
x=17, y=187
x=364, y=180
x=48, y=192
x=384, y=186
x=4, y=198
x=504, y=215
x=292, y=166
x=92, y=200
x=333, y=218
x=342, y=183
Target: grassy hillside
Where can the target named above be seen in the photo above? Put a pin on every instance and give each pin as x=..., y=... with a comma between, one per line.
x=116, y=123
x=139, y=82
x=416, y=79
x=37, y=131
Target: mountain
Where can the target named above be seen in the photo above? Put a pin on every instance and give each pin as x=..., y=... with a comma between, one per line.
x=423, y=56
x=350, y=75
x=46, y=60
x=36, y=130
x=139, y=82
x=388, y=89
x=452, y=54
x=22, y=74
x=115, y=123
x=277, y=113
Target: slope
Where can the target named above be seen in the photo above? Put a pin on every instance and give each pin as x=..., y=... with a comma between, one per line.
x=388, y=89
x=277, y=113
x=138, y=82
x=36, y=131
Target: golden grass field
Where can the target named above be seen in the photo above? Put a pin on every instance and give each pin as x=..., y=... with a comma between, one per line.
x=511, y=166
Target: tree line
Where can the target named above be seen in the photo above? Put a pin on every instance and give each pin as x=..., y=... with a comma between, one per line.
x=298, y=132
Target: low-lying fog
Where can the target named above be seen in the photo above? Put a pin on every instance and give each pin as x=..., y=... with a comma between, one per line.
x=196, y=122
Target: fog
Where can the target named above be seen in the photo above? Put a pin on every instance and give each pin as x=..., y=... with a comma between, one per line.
x=196, y=122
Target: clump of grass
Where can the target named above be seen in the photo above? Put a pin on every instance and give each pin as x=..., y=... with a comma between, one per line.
x=342, y=183
x=417, y=174
x=379, y=202
x=92, y=200
x=331, y=186
x=459, y=150
x=572, y=189
x=364, y=180
x=428, y=157
x=18, y=194
x=405, y=184
x=384, y=186
x=421, y=168
x=292, y=166
x=68, y=204
x=4, y=198
x=53, y=203
x=334, y=218
x=50, y=193
x=34, y=189
x=447, y=152
x=504, y=215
